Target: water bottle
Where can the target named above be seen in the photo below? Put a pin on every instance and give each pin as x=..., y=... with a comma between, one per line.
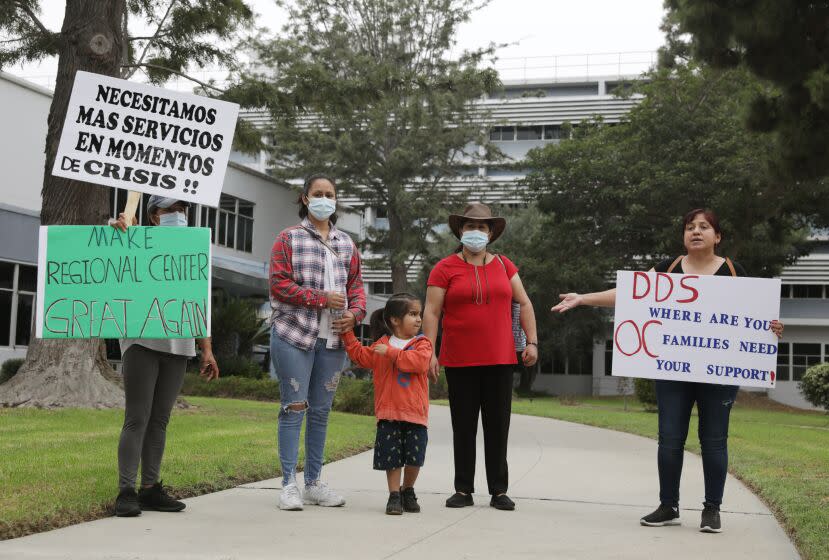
x=337, y=314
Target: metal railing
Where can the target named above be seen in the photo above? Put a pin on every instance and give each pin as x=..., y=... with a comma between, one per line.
x=555, y=67
x=575, y=66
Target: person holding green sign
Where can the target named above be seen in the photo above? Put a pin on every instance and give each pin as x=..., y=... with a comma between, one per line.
x=153, y=371
x=675, y=399
x=316, y=293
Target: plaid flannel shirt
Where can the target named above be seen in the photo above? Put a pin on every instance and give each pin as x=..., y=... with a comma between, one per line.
x=298, y=279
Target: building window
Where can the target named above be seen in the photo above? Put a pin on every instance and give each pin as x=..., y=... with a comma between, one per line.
x=804, y=291
x=382, y=288
x=804, y=356
x=231, y=224
x=552, y=132
x=18, y=284
x=580, y=364
x=608, y=357
x=783, y=357
x=502, y=134
x=810, y=291
x=529, y=132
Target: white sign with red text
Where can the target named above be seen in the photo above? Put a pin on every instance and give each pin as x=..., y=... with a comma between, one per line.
x=706, y=329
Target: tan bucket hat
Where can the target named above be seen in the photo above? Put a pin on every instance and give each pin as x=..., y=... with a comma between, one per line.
x=478, y=211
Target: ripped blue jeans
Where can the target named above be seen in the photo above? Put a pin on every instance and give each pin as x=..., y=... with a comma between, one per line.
x=675, y=400
x=307, y=377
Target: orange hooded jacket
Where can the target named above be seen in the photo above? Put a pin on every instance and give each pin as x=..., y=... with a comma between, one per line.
x=401, y=382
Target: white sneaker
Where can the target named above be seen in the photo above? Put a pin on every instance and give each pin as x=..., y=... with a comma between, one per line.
x=319, y=494
x=290, y=499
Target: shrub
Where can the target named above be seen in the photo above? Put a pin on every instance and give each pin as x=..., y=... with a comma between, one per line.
x=645, y=390
x=355, y=396
x=235, y=328
x=439, y=390
x=240, y=366
x=815, y=385
x=10, y=368
x=231, y=388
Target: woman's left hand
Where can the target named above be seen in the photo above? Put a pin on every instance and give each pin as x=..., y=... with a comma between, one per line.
x=530, y=355
x=209, y=368
x=777, y=328
x=345, y=323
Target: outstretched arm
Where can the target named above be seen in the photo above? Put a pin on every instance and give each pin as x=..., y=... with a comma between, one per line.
x=359, y=354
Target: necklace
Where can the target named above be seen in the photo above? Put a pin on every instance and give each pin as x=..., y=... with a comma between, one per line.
x=477, y=289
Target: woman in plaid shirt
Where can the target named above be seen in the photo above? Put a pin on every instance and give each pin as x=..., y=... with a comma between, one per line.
x=316, y=293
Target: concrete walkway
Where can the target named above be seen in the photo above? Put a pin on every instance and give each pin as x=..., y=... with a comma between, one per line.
x=580, y=492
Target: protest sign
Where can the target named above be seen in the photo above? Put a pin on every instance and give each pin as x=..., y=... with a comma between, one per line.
x=100, y=282
x=142, y=138
x=707, y=329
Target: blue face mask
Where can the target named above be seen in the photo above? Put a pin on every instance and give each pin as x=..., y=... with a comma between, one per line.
x=321, y=208
x=476, y=241
x=177, y=219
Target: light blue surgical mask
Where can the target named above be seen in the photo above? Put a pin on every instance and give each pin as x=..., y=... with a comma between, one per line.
x=321, y=208
x=476, y=241
x=177, y=219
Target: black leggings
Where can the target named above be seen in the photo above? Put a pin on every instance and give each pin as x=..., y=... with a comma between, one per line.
x=152, y=381
x=486, y=390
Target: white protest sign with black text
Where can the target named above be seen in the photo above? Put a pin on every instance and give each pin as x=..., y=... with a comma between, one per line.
x=143, y=138
x=706, y=329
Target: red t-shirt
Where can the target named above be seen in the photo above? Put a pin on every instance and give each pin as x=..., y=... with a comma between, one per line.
x=475, y=335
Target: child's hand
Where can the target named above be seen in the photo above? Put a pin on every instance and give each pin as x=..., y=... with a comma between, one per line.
x=381, y=349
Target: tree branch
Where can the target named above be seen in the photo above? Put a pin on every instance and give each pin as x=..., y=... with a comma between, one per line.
x=28, y=11
x=155, y=36
x=176, y=72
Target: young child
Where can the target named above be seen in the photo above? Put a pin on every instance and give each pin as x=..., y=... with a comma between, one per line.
x=399, y=360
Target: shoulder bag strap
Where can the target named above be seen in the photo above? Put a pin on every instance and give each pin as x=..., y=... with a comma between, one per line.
x=673, y=264
x=321, y=240
x=731, y=266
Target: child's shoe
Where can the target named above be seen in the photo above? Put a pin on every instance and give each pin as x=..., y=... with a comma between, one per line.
x=409, y=499
x=395, y=505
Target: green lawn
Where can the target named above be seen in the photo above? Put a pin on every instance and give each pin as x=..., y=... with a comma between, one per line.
x=782, y=454
x=60, y=467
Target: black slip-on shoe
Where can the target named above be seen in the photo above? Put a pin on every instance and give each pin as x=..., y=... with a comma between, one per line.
x=661, y=517
x=126, y=504
x=395, y=505
x=409, y=498
x=155, y=498
x=502, y=502
x=710, y=522
x=458, y=500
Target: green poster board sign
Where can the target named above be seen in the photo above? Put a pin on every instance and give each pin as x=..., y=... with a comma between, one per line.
x=99, y=282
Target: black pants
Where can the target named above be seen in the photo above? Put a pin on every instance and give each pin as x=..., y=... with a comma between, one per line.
x=152, y=381
x=676, y=399
x=488, y=390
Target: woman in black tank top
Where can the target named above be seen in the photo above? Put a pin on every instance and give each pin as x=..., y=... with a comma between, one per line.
x=675, y=399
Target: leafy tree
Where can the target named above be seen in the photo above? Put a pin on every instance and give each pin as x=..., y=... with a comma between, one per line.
x=615, y=194
x=368, y=91
x=95, y=37
x=782, y=41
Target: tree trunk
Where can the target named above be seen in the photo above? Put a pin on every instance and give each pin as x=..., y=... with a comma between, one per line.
x=397, y=258
x=73, y=373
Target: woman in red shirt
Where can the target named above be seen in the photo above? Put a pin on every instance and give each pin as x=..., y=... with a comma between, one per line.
x=474, y=290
